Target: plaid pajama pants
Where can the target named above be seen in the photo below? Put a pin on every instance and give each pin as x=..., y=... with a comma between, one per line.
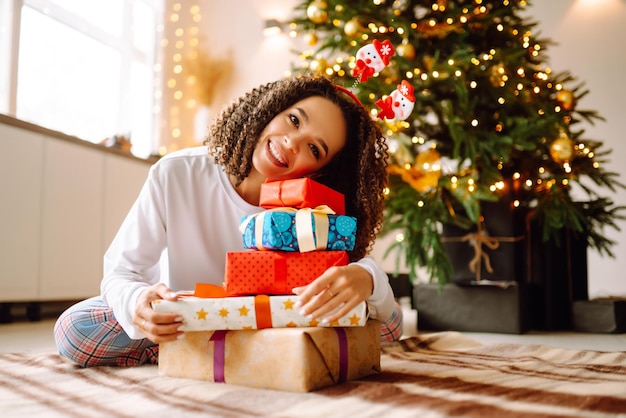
x=89, y=335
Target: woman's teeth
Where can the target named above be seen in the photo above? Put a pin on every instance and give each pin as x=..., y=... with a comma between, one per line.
x=277, y=155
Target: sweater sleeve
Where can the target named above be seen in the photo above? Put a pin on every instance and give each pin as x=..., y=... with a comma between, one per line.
x=131, y=263
x=381, y=302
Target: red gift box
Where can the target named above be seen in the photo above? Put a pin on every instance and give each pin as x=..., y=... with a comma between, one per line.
x=300, y=193
x=276, y=272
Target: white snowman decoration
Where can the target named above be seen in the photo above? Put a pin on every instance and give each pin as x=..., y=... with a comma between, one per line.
x=372, y=58
x=399, y=104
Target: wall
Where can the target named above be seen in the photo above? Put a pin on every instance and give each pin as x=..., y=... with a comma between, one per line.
x=239, y=30
x=589, y=37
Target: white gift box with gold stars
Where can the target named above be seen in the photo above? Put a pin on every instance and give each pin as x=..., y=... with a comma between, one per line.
x=250, y=312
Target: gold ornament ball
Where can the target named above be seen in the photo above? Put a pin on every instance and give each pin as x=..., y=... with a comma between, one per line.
x=406, y=51
x=429, y=61
x=316, y=12
x=352, y=27
x=562, y=149
x=318, y=65
x=310, y=38
x=496, y=73
x=566, y=98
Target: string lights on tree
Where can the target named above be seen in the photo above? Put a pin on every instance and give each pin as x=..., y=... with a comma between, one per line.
x=490, y=118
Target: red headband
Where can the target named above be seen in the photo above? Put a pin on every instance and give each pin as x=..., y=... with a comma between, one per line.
x=349, y=93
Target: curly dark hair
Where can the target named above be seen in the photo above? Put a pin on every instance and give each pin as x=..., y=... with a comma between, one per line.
x=357, y=171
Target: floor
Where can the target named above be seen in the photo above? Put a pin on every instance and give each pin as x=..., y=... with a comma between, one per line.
x=36, y=336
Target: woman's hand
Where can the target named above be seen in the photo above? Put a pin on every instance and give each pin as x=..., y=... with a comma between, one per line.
x=339, y=287
x=157, y=326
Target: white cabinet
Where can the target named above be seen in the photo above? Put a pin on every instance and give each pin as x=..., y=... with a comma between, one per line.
x=123, y=179
x=71, y=221
x=62, y=202
x=21, y=174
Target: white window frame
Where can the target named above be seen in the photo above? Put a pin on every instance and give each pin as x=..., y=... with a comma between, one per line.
x=11, y=20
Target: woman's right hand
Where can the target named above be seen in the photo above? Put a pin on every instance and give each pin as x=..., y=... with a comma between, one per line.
x=157, y=326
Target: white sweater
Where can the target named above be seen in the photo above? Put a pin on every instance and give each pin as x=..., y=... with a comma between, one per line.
x=178, y=231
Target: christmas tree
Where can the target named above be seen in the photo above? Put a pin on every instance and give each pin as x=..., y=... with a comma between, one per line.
x=489, y=118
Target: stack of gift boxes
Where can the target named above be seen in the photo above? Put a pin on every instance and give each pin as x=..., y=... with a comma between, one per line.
x=249, y=331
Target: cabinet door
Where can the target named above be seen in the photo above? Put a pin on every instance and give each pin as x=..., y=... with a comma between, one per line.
x=72, y=227
x=123, y=179
x=21, y=162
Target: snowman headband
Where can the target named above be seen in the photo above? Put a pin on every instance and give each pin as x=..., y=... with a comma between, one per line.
x=370, y=60
x=349, y=93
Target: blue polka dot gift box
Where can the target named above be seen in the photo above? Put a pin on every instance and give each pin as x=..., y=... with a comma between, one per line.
x=299, y=230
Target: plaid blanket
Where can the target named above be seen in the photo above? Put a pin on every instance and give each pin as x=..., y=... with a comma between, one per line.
x=429, y=375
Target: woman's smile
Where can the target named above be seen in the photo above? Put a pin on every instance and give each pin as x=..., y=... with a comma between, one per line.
x=275, y=155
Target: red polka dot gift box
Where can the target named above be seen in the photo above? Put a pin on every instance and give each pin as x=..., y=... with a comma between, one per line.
x=276, y=272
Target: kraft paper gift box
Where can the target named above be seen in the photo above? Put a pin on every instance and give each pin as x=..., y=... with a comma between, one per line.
x=249, y=312
x=300, y=193
x=287, y=359
x=276, y=272
x=303, y=230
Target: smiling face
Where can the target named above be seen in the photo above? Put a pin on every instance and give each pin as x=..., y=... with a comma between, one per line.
x=300, y=140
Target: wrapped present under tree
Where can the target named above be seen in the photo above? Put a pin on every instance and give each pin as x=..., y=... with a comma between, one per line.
x=493, y=250
x=506, y=278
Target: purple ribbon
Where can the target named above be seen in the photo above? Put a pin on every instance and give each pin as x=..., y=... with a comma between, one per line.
x=219, y=354
x=343, y=354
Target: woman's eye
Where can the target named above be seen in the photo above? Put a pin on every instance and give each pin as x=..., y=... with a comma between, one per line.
x=315, y=150
x=294, y=120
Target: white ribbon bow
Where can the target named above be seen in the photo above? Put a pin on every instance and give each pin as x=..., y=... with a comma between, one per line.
x=304, y=226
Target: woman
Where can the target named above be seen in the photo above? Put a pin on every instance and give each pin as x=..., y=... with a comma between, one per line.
x=188, y=212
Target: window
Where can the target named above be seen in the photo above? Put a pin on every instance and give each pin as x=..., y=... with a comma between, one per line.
x=85, y=68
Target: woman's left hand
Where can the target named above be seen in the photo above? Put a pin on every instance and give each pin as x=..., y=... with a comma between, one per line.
x=339, y=287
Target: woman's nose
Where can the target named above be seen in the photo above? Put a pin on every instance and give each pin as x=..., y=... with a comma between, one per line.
x=292, y=142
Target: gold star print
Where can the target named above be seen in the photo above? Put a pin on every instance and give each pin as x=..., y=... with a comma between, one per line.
x=243, y=311
x=354, y=320
x=334, y=323
x=224, y=312
x=291, y=325
x=201, y=314
x=288, y=305
x=313, y=323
